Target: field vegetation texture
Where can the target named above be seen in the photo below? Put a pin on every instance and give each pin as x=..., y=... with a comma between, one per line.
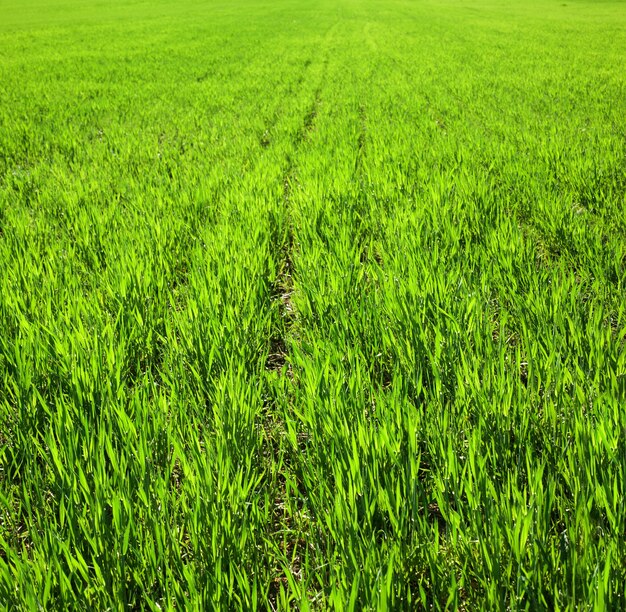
x=313, y=304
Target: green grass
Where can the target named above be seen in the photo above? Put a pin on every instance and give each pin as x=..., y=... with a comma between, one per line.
x=313, y=304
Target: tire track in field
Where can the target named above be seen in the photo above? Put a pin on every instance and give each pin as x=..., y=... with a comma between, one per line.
x=286, y=537
x=283, y=286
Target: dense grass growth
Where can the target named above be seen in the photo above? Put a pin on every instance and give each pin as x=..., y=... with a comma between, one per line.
x=313, y=304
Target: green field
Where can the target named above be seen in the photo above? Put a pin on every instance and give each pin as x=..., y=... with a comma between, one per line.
x=313, y=304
